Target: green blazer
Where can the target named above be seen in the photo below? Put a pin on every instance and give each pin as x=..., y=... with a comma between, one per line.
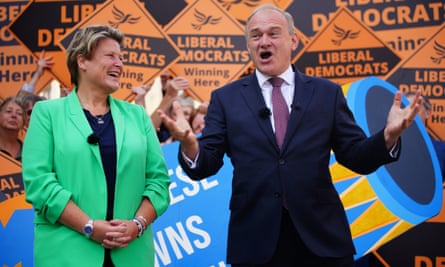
x=59, y=164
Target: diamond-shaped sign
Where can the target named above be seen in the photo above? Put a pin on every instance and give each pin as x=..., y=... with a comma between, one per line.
x=402, y=24
x=213, y=47
x=11, y=186
x=164, y=10
x=424, y=70
x=346, y=50
x=18, y=69
x=42, y=22
x=241, y=9
x=38, y=31
x=17, y=64
x=147, y=51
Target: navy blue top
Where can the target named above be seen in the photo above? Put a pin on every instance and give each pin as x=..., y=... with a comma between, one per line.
x=103, y=128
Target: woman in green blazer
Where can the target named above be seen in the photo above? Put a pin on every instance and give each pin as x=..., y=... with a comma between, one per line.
x=93, y=168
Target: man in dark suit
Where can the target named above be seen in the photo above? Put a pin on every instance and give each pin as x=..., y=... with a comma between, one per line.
x=284, y=208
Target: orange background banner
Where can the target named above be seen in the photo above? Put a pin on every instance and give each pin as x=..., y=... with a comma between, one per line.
x=402, y=42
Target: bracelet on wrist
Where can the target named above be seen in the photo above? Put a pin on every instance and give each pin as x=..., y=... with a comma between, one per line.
x=142, y=220
x=141, y=228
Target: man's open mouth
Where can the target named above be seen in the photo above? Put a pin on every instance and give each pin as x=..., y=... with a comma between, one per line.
x=265, y=55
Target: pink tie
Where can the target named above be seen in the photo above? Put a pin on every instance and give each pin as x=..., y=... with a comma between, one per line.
x=280, y=110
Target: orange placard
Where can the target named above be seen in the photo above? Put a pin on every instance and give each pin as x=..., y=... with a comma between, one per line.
x=17, y=64
x=403, y=25
x=213, y=47
x=242, y=9
x=346, y=50
x=38, y=32
x=424, y=70
x=11, y=188
x=148, y=50
x=18, y=68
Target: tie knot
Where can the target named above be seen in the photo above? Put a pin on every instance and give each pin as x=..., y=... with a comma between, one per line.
x=276, y=81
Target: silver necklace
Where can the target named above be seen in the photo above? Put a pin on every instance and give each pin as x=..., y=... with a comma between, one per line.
x=100, y=119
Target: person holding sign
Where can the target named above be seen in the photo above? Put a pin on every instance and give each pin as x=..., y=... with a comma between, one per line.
x=279, y=136
x=44, y=63
x=93, y=168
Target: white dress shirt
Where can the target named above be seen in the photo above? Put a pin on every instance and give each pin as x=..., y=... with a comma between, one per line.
x=287, y=89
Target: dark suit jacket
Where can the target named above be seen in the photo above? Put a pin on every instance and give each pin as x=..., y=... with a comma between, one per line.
x=320, y=121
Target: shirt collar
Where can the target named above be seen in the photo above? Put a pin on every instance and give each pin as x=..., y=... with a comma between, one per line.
x=288, y=76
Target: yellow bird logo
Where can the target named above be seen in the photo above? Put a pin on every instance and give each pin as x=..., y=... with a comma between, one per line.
x=122, y=18
x=203, y=20
x=343, y=34
x=440, y=52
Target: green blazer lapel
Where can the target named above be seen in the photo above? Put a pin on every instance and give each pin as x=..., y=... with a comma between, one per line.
x=77, y=117
x=119, y=124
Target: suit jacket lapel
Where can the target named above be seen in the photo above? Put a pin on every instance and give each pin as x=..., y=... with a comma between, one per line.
x=254, y=100
x=302, y=97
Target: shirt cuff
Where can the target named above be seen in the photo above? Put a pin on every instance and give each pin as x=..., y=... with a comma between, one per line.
x=395, y=150
x=28, y=88
x=191, y=163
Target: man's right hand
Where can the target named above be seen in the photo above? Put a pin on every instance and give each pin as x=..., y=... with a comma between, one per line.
x=181, y=130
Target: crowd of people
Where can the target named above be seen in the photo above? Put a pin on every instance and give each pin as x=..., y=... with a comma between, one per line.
x=94, y=222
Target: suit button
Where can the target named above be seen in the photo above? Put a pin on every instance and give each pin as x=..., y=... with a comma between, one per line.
x=277, y=194
x=281, y=161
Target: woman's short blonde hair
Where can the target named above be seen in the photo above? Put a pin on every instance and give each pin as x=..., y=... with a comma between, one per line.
x=84, y=42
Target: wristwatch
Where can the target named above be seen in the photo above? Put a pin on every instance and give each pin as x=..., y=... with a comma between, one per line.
x=88, y=228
